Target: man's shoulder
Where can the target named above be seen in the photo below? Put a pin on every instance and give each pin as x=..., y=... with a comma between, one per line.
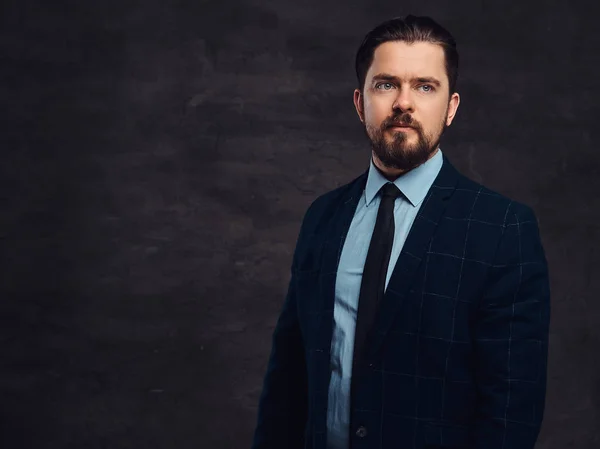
x=487, y=201
x=329, y=200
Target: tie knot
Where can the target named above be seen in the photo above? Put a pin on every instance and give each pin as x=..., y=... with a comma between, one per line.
x=390, y=190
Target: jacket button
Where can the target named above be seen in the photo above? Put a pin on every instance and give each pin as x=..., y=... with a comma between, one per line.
x=361, y=432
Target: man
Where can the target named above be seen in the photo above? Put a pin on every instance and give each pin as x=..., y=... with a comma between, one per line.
x=418, y=308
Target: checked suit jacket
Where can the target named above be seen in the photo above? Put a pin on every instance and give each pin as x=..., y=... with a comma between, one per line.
x=457, y=355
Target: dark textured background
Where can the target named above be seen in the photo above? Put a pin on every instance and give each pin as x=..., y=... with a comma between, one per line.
x=158, y=157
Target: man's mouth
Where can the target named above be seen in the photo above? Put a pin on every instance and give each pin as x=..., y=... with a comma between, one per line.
x=401, y=126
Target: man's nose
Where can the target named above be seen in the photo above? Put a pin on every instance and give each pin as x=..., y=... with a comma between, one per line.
x=404, y=100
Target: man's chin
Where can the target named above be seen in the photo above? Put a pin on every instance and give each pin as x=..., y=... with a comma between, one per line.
x=405, y=143
x=403, y=163
x=403, y=149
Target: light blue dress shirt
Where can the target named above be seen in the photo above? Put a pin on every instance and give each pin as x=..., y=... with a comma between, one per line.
x=414, y=185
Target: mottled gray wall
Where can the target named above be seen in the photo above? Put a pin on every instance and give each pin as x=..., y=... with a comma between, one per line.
x=157, y=160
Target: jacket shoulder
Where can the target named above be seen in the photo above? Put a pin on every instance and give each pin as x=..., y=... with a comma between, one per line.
x=489, y=203
x=326, y=204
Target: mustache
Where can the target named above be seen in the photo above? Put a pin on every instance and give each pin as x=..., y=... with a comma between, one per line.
x=403, y=120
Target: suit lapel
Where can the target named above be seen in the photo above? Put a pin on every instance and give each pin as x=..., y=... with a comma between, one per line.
x=334, y=242
x=335, y=234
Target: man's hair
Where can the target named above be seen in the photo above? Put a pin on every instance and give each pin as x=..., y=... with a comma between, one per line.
x=410, y=29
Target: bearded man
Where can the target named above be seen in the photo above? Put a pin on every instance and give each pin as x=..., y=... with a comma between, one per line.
x=417, y=313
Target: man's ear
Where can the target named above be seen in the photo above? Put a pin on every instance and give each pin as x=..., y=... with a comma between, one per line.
x=359, y=104
x=452, y=107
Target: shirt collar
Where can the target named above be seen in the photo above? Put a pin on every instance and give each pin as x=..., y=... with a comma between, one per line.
x=414, y=184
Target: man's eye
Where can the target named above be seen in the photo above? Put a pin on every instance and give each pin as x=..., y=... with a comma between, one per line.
x=382, y=84
x=428, y=86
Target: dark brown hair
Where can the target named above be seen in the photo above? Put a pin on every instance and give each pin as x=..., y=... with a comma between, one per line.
x=410, y=29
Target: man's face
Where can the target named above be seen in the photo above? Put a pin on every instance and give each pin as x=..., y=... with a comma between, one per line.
x=405, y=85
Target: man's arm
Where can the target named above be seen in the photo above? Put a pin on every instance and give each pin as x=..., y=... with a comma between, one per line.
x=511, y=338
x=283, y=405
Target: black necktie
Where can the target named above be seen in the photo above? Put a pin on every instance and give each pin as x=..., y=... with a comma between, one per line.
x=375, y=269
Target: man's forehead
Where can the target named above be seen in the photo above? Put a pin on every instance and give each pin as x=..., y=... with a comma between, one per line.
x=401, y=59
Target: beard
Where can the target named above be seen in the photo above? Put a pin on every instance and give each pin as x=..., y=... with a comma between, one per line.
x=397, y=152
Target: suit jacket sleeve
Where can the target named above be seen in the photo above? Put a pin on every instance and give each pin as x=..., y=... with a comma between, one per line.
x=511, y=338
x=282, y=411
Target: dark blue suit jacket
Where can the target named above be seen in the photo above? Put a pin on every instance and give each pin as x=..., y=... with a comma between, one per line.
x=457, y=356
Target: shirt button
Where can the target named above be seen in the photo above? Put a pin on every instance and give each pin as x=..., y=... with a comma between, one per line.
x=361, y=432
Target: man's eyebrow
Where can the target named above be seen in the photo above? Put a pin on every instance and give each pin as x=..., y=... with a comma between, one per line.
x=420, y=79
